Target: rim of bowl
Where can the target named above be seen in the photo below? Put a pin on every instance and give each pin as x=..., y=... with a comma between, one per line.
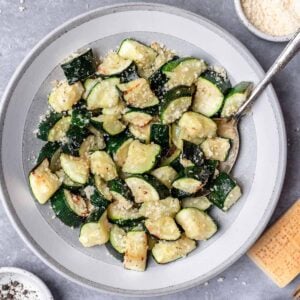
x=240, y=12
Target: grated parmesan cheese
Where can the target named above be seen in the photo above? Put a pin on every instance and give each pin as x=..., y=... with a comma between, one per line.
x=275, y=17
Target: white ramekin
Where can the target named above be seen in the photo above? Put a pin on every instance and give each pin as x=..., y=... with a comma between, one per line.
x=253, y=29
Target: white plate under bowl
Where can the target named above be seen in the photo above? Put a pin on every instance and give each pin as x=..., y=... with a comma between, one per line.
x=260, y=168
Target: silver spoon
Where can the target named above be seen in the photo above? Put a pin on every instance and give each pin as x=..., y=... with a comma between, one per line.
x=229, y=127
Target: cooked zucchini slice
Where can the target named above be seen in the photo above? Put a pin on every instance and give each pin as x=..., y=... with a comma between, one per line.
x=219, y=77
x=79, y=66
x=141, y=158
x=123, y=216
x=160, y=135
x=120, y=190
x=67, y=182
x=164, y=228
x=216, y=148
x=196, y=224
x=66, y=207
x=104, y=94
x=137, y=93
x=146, y=188
x=96, y=198
x=102, y=187
x=43, y=182
x=59, y=131
x=175, y=102
x=74, y=139
x=224, y=192
x=109, y=123
x=113, y=64
x=103, y=165
x=183, y=71
x=47, y=122
x=160, y=208
x=51, y=151
x=94, y=232
x=167, y=251
x=115, y=142
x=117, y=238
x=63, y=96
x=80, y=115
x=91, y=144
x=166, y=175
x=115, y=111
x=211, y=87
x=193, y=153
x=195, y=127
x=141, y=133
x=77, y=168
x=193, y=179
x=185, y=187
x=88, y=86
x=235, y=98
x=136, y=246
x=202, y=173
x=121, y=154
x=176, y=136
x=200, y=202
x=76, y=203
x=141, y=54
x=174, y=161
x=137, y=117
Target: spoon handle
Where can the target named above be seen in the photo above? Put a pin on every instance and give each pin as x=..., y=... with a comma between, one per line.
x=283, y=59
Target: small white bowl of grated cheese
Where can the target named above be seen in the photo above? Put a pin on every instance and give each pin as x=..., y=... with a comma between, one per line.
x=273, y=20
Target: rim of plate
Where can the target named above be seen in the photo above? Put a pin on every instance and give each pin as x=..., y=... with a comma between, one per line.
x=43, y=288
x=77, y=21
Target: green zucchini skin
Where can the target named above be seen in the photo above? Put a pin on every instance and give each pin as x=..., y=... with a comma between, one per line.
x=95, y=215
x=171, y=65
x=177, y=193
x=173, y=161
x=80, y=115
x=80, y=67
x=175, y=164
x=223, y=84
x=129, y=74
x=158, y=80
x=160, y=135
x=46, y=124
x=62, y=211
x=75, y=136
x=200, y=173
x=243, y=88
x=178, y=92
x=99, y=201
x=119, y=186
x=116, y=141
x=47, y=151
x=193, y=153
x=220, y=188
x=152, y=110
x=172, y=95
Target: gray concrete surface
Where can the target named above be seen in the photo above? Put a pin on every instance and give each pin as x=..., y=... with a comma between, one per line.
x=23, y=24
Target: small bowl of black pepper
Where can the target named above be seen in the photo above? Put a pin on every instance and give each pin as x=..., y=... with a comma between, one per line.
x=19, y=284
